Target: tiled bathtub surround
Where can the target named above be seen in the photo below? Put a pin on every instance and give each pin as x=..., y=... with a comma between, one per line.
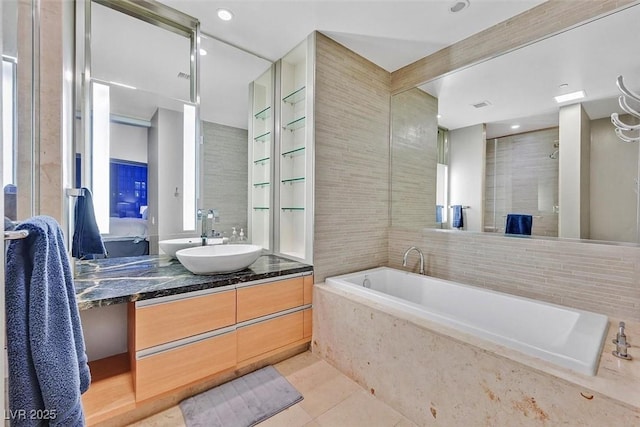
x=435, y=375
x=599, y=277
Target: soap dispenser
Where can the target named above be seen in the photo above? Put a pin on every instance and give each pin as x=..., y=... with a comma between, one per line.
x=234, y=236
x=242, y=236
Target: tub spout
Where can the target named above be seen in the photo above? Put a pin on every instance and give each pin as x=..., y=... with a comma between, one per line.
x=621, y=343
x=406, y=254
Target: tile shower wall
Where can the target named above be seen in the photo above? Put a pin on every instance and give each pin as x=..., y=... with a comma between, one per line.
x=613, y=169
x=522, y=178
x=225, y=174
x=604, y=278
x=351, y=161
x=414, y=130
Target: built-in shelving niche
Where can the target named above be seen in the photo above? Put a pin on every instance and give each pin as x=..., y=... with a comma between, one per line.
x=281, y=159
x=295, y=225
x=261, y=152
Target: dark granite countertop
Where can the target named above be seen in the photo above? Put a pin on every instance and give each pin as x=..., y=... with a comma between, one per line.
x=118, y=280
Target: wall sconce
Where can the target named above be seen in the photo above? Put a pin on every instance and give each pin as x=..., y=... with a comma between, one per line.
x=100, y=137
x=188, y=168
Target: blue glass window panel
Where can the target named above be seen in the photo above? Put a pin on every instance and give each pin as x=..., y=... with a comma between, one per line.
x=128, y=188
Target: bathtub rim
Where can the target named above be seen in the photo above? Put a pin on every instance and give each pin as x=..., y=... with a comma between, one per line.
x=561, y=359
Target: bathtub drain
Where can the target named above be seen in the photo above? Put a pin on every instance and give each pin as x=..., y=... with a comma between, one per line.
x=366, y=282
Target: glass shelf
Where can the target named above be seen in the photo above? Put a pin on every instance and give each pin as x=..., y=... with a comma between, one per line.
x=296, y=96
x=262, y=138
x=260, y=208
x=261, y=184
x=292, y=180
x=263, y=114
x=255, y=162
x=295, y=125
x=292, y=209
x=292, y=152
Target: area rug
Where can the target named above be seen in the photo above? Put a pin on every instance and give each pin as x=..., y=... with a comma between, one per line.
x=243, y=402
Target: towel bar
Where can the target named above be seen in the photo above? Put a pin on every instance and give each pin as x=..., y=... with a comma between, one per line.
x=75, y=192
x=15, y=235
x=464, y=207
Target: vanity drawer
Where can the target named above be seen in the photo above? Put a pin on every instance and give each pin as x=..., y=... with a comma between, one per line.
x=260, y=300
x=308, y=289
x=170, y=369
x=268, y=335
x=308, y=322
x=169, y=321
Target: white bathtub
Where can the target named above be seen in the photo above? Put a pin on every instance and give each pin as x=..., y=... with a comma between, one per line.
x=568, y=337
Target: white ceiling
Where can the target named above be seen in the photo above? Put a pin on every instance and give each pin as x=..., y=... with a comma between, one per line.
x=519, y=85
x=389, y=33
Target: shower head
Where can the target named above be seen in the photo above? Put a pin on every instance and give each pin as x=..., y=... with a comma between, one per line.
x=554, y=155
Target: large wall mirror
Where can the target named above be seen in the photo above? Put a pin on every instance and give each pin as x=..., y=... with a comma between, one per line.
x=491, y=140
x=147, y=70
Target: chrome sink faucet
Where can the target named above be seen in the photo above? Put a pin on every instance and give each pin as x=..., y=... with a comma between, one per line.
x=406, y=254
x=203, y=216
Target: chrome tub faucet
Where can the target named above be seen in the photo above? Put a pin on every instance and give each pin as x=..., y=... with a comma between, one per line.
x=406, y=254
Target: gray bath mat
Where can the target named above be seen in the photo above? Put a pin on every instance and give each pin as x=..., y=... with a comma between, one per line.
x=243, y=402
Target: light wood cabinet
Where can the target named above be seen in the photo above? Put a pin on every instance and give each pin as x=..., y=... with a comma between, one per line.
x=308, y=289
x=170, y=369
x=261, y=300
x=307, y=323
x=169, y=321
x=268, y=335
x=175, y=342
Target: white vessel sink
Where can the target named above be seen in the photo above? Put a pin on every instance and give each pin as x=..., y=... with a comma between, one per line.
x=218, y=258
x=171, y=246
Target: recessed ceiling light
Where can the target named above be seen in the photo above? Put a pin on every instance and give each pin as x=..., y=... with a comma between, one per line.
x=202, y=52
x=570, y=96
x=515, y=126
x=459, y=6
x=439, y=116
x=225, y=14
x=481, y=104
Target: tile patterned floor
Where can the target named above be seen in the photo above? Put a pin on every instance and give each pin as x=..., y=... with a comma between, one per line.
x=330, y=399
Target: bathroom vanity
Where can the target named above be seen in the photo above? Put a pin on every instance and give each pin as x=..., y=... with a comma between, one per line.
x=189, y=332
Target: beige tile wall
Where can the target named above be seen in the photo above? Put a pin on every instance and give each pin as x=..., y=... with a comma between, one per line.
x=50, y=158
x=604, y=278
x=351, y=161
x=541, y=21
x=25, y=153
x=414, y=130
x=225, y=175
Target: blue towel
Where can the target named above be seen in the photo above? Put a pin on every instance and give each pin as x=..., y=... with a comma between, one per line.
x=86, y=235
x=457, y=221
x=519, y=224
x=48, y=368
x=439, y=213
